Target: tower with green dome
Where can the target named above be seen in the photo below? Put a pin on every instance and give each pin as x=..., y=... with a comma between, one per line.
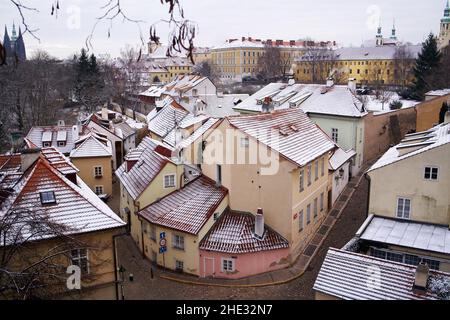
x=444, y=34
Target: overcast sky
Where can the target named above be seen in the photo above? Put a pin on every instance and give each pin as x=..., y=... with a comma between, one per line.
x=349, y=22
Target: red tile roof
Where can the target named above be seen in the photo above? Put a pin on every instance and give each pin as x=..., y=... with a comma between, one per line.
x=233, y=233
x=186, y=209
x=149, y=164
x=59, y=161
x=289, y=132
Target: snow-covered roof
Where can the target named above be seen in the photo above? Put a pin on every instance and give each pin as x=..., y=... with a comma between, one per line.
x=37, y=135
x=234, y=233
x=167, y=118
x=378, y=106
x=76, y=207
x=339, y=157
x=188, y=208
x=438, y=93
x=411, y=234
x=253, y=44
x=413, y=144
x=149, y=164
x=365, y=53
x=312, y=98
x=59, y=161
x=91, y=147
x=154, y=91
x=198, y=133
x=353, y=276
x=289, y=132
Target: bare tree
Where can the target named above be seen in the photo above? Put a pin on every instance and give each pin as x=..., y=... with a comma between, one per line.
x=403, y=63
x=321, y=61
x=206, y=69
x=270, y=63
x=34, y=254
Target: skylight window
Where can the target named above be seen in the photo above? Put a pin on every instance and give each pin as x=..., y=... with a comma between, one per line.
x=48, y=197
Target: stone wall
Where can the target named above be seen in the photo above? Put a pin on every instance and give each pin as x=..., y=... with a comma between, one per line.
x=428, y=112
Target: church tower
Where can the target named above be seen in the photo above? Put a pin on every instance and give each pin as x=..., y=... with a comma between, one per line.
x=14, y=45
x=379, y=36
x=393, y=35
x=444, y=34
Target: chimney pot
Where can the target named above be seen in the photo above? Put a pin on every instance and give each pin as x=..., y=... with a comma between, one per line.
x=259, y=223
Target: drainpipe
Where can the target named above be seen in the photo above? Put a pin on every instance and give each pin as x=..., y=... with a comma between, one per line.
x=367, y=177
x=142, y=240
x=116, y=278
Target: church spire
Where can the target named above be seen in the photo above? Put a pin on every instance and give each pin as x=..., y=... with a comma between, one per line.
x=393, y=35
x=447, y=10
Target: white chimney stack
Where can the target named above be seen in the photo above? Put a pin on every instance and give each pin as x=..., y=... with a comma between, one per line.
x=421, y=278
x=259, y=224
x=330, y=82
x=104, y=113
x=75, y=132
x=352, y=84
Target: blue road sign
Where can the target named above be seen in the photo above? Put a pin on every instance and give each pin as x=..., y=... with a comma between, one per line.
x=162, y=235
x=162, y=249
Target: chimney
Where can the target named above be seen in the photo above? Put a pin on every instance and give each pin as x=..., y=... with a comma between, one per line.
x=243, y=38
x=291, y=82
x=352, y=84
x=76, y=132
x=330, y=82
x=292, y=43
x=28, y=157
x=259, y=224
x=104, y=113
x=421, y=278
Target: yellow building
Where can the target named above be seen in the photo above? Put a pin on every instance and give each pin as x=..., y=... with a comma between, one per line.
x=289, y=184
x=202, y=55
x=93, y=157
x=238, y=58
x=81, y=231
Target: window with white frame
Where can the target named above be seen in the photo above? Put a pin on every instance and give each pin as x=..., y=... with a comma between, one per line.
x=169, y=181
x=98, y=171
x=300, y=221
x=79, y=258
x=179, y=265
x=244, y=142
x=403, y=208
x=321, y=201
x=227, y=265
x=334, y=134
x=308, y=214
x=98, y=190
x=152, y=232
x=302, y=180
x=61, y=143
x=178, y=242
x=431, y=173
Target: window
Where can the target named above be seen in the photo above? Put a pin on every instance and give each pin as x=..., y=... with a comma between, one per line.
x=378, y=253
x=321, y=201
x=300, y=221
x=431, y=173
x=315, y=207
x=98, y=171
x=98, y=190
x=308, y=214
x=178, y=242
x=227, y=265
x=219, y=174
x=169, y=181
x=152, y=232
x=79, y=258
x=48, y=197
x=411, y=259
x=216, y=216
x=322, y=167
x=179, y=265
x=61, y=143
x=309, y=173
x=302, y=178
x=334, y=134
x=244, y=142
x=397, y=257
x=46, y=144
x=432, y=264
x=403, y=208
x=316, y=170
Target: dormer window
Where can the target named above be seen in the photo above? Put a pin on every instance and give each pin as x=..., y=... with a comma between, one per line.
x=61, y=143
x=46, y=144
x=48, y=197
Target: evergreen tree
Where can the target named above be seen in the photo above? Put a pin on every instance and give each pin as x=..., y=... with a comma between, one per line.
x=426, y=64
x=442, y=112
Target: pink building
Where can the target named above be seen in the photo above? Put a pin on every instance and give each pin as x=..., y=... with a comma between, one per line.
x=241, y=245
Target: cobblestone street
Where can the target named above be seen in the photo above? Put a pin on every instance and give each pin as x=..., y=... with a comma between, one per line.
x=143, y=287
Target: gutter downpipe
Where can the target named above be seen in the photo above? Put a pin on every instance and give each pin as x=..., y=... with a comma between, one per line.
x=116, y=278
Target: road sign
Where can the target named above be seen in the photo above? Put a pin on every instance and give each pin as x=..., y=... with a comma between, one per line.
x=163, y=242
x=162, y=235
x=162, y=249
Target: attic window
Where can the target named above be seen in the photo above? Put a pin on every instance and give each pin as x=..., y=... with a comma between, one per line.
x=46, y=144
x=48, y=197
